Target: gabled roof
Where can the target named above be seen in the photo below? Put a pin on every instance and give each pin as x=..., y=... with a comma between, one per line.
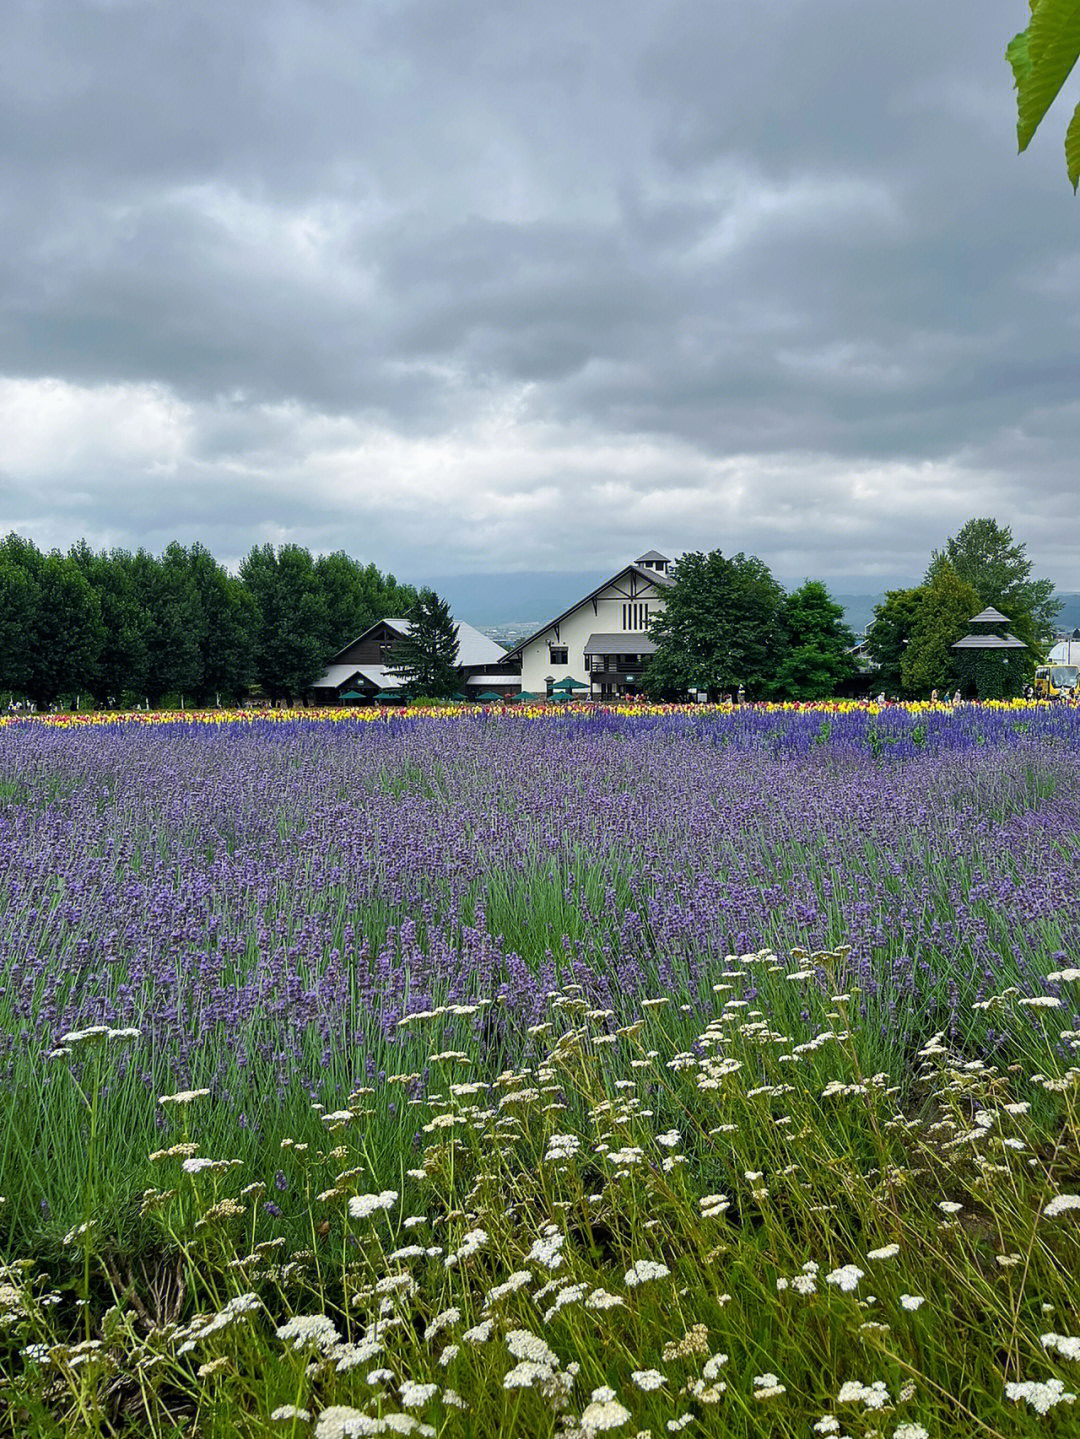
x=334, y=677
x=654, y=577
x=474, y=648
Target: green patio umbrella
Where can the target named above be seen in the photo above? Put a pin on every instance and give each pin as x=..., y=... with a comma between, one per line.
x=489, y=697
x=568, y=685
x=389, y=696
x=352, y=695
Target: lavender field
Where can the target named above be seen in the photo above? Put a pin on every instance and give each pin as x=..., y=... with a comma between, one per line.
x=265, y=905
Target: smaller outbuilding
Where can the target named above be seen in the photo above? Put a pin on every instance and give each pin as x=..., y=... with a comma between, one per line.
x=364, y=666
x=991, y=663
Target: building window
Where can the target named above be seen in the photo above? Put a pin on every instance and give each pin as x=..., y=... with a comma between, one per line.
x=635, y=617
x=559, y=655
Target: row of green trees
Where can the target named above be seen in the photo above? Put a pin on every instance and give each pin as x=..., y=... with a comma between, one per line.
x=121, y=627
x=914, y=629
x=728, y=625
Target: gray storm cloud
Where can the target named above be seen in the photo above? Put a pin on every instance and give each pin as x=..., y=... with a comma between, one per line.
x=523, y=285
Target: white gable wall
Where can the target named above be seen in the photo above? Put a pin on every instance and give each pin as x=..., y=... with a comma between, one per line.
x=603, y=614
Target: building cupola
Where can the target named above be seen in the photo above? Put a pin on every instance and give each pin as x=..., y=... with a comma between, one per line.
x=654, y=560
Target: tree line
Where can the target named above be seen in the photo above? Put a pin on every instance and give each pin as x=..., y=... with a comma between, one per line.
x=914, y=629
x=121, y=628
x=728, y=626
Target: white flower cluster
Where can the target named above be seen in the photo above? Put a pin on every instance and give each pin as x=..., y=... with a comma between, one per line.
x=303, y=1330
x=183, y=1096
x=1065, y=1344
x=768, y=1386
x=603, y=1412
x=546, y=1250
x=362, y=1206
x=1041, y=1396
x=96, y=1031
x=230, y=1313
x=561, y=1147
x=644, y=1270
x=648, y=1379
x=846, y=1278
x=471, y=1243
x=870, y=1396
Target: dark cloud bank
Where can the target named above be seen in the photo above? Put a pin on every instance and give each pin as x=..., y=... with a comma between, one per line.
x=524, y=286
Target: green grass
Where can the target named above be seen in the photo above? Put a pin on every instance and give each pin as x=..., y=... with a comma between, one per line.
x=815, y=1160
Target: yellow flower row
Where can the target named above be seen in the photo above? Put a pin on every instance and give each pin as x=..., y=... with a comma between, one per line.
x=367, y=714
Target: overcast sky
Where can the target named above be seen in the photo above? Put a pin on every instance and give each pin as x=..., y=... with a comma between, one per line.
x=489, y=285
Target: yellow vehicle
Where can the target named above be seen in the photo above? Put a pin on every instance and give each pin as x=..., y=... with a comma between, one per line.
x=1057, y=682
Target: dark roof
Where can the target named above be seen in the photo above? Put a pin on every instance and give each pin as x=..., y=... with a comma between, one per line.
x=656, y=577
x=652, y=555
x=989, y=642
x=629, y=644
x=989, y=616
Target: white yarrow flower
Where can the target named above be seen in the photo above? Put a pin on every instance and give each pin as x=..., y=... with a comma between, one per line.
x=648, y=1379
x=362, y=1206
x=523, y=1344
x=845, y=1278
x=1041, y=1397
x=415, y=1396
x=644, y=1270
x=1065, y=1344
x=604, y=1412
x=304, y=1329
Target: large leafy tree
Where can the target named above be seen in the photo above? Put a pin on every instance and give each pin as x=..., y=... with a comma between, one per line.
x=227, y=631
x=290, y=634
x=1042, y=57
x=815, y=645
x=20, y=568
x=890, y=634
x=718, y=627
x=985, y=555
x=122, y=661
x=354, y=596
x=946, y=606
x=67, y=634
x=425, y=660
x=175, y=629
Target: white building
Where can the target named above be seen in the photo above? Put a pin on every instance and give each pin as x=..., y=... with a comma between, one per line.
x=602, y=642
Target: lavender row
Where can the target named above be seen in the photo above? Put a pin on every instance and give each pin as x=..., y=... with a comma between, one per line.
x=279, y=896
